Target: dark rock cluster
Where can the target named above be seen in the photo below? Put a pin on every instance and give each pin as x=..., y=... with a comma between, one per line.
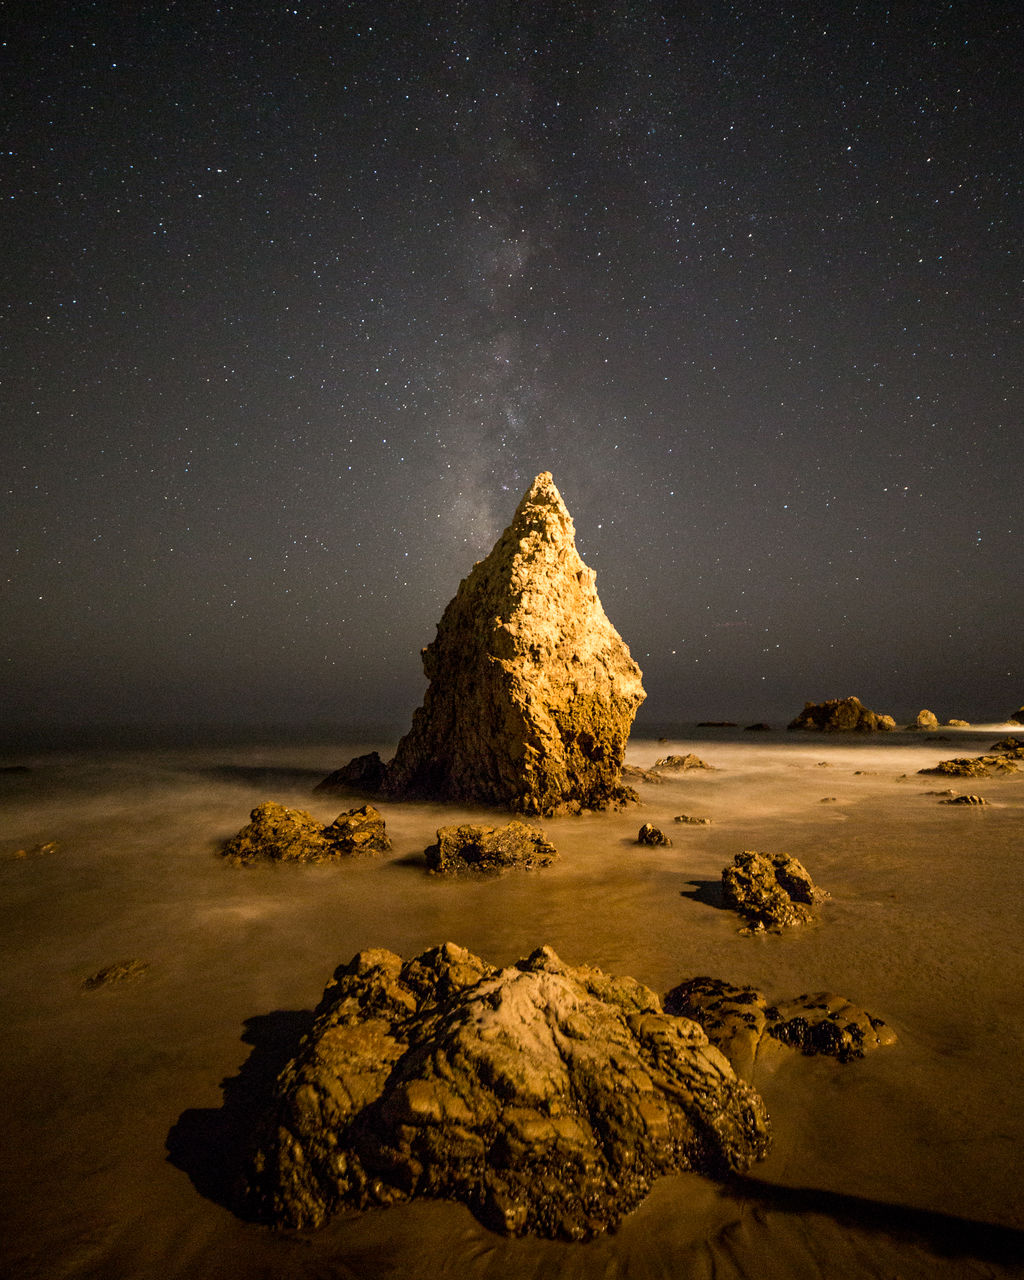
x=841, y=715
x=742, y=1023
x=278, y=834
x=468, y=847
x=771, y=891
x=546, y=1098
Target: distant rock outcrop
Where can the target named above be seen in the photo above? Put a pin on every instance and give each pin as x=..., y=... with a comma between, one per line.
x=279, y=834
x=546, y=1098
x=1017, y=717
x=926, y=720
x=475, y=848
x=771, y=891
x=680, y=764
x=532, y=691
x=841, y=715
x=362, y=773
x=741, y=1022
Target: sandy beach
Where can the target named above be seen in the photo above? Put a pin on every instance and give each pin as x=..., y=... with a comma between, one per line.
x=114, y=1134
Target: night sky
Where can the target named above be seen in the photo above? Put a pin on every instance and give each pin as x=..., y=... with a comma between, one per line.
x=298, y=298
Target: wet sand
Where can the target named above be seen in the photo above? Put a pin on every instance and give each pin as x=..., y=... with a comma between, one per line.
x=116, y=1138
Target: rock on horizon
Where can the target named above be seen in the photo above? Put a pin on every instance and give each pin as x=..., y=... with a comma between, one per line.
x=532, y=691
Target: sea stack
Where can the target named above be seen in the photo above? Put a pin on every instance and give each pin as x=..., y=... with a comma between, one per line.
x=532, y=691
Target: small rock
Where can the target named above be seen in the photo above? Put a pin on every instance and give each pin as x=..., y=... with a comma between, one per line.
x=650, y=835
x=692, y=821
x=760, y=727
x=771, y=891
x=828, y=800
x=964, y=800
x=632, y=774
x=678, y=764
x=279, y=834
x=362, y=773
x=123, y=971
x=926, y=720
x=958, y=724
x=477, y=848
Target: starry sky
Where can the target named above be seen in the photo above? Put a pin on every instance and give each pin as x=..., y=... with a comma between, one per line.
x=298, y=298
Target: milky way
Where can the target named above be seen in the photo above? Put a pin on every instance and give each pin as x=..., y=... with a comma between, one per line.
x=298, y=299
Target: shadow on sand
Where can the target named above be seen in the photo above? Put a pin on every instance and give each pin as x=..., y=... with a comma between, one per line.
x=211, y=1144
x=707, y=892
x=942, y=1234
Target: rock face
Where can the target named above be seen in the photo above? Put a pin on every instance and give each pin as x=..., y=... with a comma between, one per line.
x=740, y=1021
x=279, y=834
x=474, y=848
x=771, y=891
x=363, y=773
x=532, y=691
x=926, y=720
x=841, y=715
x=1007, y=761
x=544, y=1097
x=1017, y=717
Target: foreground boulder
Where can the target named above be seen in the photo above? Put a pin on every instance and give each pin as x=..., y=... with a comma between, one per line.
x=546, y=1098
x=279, y=834
x=841, y=715
x=532, y=691
x=741, y=1022
x=476, y=848
x=771, y=891
x=649, y=834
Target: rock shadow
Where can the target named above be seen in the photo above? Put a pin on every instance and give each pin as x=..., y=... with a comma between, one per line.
x=211, y=1144
x=707, y=892
x=943, y=1234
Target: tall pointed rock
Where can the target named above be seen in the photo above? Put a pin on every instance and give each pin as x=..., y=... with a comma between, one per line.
x=532, y=691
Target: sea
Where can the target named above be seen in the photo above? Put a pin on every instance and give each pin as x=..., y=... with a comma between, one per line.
x=118, y=1133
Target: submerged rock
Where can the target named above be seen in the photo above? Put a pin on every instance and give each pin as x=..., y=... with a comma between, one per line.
x=279, y=834
x=650, y=835
x=980, y=766
x=771, y=891
x=741, y=1022
x=475, y=848
x=841, y=715
x=680, y=764
x=632, y=774
x=691, y=820
x=546, y=1098
x=963, y=800
x=122, y=971
x=532, y=690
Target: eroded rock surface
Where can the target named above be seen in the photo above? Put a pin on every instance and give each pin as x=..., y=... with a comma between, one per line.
x=277, y=833
x=926, y=720
x=841, y=715
x=770, y=890
x=680, y=764
x=1007, y=761
x=532, y=691
x=649, y=834
x=742, y=1023
x=544, y=1097
x=477, y=848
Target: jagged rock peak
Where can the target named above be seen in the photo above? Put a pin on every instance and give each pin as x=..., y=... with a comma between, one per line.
x=532, y=690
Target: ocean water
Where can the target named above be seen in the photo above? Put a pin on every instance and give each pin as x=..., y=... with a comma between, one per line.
x=116, y=1138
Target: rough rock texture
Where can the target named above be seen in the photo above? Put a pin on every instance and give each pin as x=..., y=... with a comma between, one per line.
x=362, y=773
x=532, y=691
x=771, y=891
x=650, y=835
x=475, y=848
x=1007, y=745
x=980, y=766
x=958, y=724
x=632, y=774
x=841, y=715
x=692, y=821
x=963, y=800
x=926, y=720
x=279, y=834
x=740, y=1021
x=680, y=764
x=546, y=1098
x=122, y=971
